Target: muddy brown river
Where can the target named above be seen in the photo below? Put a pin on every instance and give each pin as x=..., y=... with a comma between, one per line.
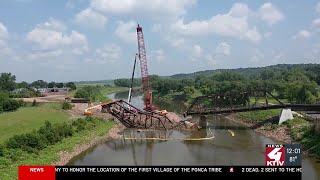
x=233, y=144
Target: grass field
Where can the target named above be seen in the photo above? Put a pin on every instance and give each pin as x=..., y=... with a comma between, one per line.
x=257, y=116
x=9, y=168
x=28, y=118
x=104, y=90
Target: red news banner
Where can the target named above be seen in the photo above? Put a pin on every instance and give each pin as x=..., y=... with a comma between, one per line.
x=37, y=172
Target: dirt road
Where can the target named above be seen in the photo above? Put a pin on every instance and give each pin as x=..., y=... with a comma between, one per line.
x=49, y=98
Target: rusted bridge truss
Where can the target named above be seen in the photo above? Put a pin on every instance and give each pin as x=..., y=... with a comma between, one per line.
x=242, y=102
x=133, y=117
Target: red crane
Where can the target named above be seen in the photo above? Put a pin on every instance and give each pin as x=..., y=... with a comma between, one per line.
x=147, y=93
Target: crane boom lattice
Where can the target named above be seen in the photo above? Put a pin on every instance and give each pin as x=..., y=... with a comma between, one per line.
x=147, y=94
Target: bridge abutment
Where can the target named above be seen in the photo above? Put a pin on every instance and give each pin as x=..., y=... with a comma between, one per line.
x=285, y=115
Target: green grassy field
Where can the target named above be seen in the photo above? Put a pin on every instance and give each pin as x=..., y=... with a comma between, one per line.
x=257, y=116
x=113, y=89
x=104, y=90
x=28, y=118
x=9, y=168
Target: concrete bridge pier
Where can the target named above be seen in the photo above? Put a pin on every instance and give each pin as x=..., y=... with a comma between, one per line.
x=285, y=115
x=317, y=126
x=203, y=121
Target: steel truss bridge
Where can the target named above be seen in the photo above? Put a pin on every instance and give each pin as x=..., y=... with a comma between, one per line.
x=242, y=102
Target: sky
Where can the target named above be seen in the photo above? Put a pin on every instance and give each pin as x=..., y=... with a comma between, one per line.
x=80, y=40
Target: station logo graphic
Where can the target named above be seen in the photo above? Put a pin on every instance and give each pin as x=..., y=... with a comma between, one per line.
x=275, y=155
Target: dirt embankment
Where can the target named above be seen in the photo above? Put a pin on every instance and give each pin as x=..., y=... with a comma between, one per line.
x=48, y=98
x=280, y=134
x=66, y=156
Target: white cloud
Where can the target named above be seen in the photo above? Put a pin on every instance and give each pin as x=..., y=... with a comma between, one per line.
x=126, y=31
x=157, y=55
x=5, y=50
x=223, y=48
x=51, y=40
x=145, y=7
x=316, y=23
x=232, y=24
x=3, y=31
x=267, y=34
x=70, y=4
x=176, y=41
x=270, y=14
x=108, y=54
x=197, y=50
x=239, y=10
x=278, y=57
x=302, y=34
x=253, y=35
x=318, y=7
x=91, y=18
x=211, y=60
x=316, y=49
x=45, y=54
x=257, y=56
x=52, y=24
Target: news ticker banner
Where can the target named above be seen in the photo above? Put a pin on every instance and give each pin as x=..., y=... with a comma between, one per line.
x=94, y=172
x=283, y=155
x=281, y=160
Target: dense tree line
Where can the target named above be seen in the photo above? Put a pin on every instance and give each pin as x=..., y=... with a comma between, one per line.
x=92, y=93
x=299, y=84
x=127, y=82
x=7, y=104
x=8, y=83
x=312, y=70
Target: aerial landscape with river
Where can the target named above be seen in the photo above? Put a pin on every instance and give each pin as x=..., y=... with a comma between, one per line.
x=155, y=84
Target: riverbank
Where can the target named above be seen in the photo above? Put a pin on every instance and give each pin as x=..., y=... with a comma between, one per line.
x=280, y=133
x=298, y=130
x=85, y=134
x=66, y=156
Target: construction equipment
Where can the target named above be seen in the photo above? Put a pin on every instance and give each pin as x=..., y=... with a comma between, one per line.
x=130, y=89
x=147, y=93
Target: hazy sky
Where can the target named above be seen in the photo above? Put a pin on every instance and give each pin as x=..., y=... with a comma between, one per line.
x=96, y=39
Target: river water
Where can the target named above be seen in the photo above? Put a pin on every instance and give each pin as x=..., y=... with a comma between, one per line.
x=233, y=144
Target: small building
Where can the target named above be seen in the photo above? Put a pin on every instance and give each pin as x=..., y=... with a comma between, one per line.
x=42, y=90
x=54, y=89
x=17, y=91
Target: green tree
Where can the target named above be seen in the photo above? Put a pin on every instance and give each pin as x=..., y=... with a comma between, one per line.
x=7, y=82
x=189, y=90
x=51, y=84
x=59, y=85
x=23, y=84
x=267, y=74
x=34, y=103
x=39, y=84
x=71, y=85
